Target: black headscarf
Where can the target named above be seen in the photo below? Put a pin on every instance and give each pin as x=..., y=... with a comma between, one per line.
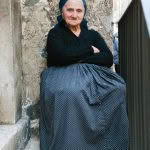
x=63, y=2
x=61, y=5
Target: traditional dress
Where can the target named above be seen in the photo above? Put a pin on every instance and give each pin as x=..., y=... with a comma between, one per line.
x=82, y=100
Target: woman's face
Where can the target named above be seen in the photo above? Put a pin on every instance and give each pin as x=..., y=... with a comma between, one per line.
x=73, y=12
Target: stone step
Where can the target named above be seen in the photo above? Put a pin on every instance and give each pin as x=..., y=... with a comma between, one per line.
x=33, y=144
x=15, y=137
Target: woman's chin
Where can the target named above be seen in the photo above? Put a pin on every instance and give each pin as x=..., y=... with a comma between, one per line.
x=74, y=24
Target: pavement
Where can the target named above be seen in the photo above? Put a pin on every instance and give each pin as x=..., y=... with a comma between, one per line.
x=33, y=144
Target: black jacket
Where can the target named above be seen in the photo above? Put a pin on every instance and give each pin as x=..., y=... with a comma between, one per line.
x=65, y=48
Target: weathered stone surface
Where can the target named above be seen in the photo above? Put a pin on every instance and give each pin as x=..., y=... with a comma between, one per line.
x=38, y=17
x=33, y=111
x=35, y=25
x=10, y=61
x=33, y=144
x=15, y=137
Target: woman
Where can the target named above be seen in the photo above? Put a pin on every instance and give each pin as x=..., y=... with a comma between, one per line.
x=82, y=100
x=116, y=52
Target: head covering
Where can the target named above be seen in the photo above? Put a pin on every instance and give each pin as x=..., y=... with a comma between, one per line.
x=61, y=5
x=63, y=2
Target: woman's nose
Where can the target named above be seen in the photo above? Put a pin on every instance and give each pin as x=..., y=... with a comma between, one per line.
x=74, y=14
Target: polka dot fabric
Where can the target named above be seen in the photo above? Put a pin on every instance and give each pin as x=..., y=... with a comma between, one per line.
x=82, y=108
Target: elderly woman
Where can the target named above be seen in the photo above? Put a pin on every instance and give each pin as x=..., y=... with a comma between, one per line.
x=82, y=101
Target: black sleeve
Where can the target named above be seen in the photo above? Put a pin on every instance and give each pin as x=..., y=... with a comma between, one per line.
x=105, y=57
x=60, y=53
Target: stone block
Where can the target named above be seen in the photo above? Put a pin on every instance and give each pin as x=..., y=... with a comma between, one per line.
x=15, y=137
x=33, y=144
x=10, y=62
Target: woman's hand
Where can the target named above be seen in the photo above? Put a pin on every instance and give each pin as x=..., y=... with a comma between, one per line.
x=96, y=50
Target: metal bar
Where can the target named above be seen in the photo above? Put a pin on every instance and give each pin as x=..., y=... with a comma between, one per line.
x=134, y=48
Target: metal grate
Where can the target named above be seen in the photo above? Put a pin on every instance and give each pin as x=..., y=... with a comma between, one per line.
x=134, y=47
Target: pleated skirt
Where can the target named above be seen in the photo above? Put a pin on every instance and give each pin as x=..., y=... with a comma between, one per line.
x=82, y=107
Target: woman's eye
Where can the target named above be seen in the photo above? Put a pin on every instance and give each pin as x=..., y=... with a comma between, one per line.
x=70, y=10
x=79, y=10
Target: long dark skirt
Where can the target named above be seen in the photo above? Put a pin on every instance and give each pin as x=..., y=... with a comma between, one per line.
x=83, y=107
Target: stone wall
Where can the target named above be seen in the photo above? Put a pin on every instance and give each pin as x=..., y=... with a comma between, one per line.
x=38, y=17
